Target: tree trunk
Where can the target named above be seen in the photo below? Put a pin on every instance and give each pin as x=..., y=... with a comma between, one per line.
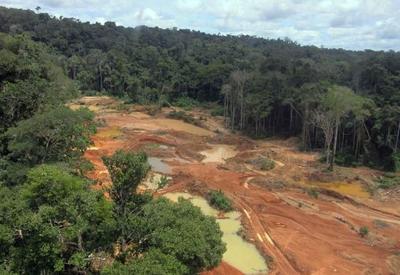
x=397, y=138
x=328, y=152
x=101, y=78
x=334, y=145
x=305, y=129
x=80, y=242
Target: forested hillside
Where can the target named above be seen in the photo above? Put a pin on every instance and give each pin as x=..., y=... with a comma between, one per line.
x=268, y=87
x=51, y=219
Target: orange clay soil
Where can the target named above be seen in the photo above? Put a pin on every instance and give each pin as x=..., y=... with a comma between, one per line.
x=296, y=232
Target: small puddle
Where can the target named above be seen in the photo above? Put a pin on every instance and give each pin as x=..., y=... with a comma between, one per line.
x=219, y=153
x=354, y=189
x=157, y=165
x=240, y=254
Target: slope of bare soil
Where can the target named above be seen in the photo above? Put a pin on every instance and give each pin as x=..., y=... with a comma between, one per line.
x=297, y=233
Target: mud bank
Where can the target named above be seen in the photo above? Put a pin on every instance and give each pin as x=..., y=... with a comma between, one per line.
x=297, y=233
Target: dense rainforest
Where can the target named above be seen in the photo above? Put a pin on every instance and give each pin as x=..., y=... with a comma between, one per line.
x=343, y=102
x=51, y=220
x=264, y=86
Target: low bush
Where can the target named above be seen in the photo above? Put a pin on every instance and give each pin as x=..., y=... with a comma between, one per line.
x=186, y=103
x=363, y=231
x=312, y=192
x=218, y=200
x=267, y=164
x=392, y=163
x=180, y=115
x=389, y=180
x=217, y=111
x=163, y=182
x=152, y=110
x=346, y=159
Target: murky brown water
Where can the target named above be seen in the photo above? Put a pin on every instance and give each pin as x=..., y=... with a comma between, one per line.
x=240, y=254
x=157, y=165
x=354, y=189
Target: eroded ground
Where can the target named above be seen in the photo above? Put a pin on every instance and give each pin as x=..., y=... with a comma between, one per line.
x=297, y=233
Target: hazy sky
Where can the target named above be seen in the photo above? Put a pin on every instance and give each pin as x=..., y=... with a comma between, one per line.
x=350, y=24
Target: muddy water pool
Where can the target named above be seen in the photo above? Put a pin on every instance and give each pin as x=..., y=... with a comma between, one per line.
x=240, y=254
x=157, y=165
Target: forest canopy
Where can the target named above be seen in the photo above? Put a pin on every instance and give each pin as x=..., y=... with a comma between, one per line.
x=345, y=103
x=52, y=221
x=267, y=86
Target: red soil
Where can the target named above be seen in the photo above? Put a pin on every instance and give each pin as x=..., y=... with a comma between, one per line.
x=302, y=235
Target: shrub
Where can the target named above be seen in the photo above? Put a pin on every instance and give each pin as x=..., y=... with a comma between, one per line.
x=346, y=159
x=180, y=115
x=218, y=200
x=312, y=192
x=363, y=231
x=186, y=102
x=163, y=182
x=267, y=164
x=392, y=162
x=153, y=262
x=123, y=107
x=388, y=181
x=152, y=110
x=217, y=111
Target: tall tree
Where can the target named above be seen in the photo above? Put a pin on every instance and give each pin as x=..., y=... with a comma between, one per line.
x=126, y=170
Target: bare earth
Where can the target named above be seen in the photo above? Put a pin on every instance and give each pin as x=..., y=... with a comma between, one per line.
x=297, y=233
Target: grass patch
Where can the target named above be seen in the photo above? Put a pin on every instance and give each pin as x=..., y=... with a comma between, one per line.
x=152, y=110
x=267, y=164
x=263, y=163
x=180, y=115
x=380, y=224
x=313, y=192
x=389, y=180
x=186, y=103
x=123, y=107
x=218, y=200
x=217, y=111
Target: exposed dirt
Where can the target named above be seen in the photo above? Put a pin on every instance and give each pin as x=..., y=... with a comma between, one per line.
x=301, y=233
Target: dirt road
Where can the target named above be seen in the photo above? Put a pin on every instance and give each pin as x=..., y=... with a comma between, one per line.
x=298, y=233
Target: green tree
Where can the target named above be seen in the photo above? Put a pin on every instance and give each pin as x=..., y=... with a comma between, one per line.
x=57, y=135
x=335, y=104
x=153, y=262
x=127, y=170
x=181, y=230
x=59, y=220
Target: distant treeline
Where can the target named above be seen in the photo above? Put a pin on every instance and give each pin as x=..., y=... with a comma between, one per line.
x=267, y=87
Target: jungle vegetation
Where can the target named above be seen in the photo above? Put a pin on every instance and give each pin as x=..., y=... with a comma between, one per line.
x=266, y=87
x=343, y=102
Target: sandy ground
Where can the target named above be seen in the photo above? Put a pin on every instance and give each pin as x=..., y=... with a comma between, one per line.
x=297, y=233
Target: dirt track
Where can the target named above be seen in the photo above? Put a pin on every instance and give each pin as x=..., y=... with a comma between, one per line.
x=302, y=234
